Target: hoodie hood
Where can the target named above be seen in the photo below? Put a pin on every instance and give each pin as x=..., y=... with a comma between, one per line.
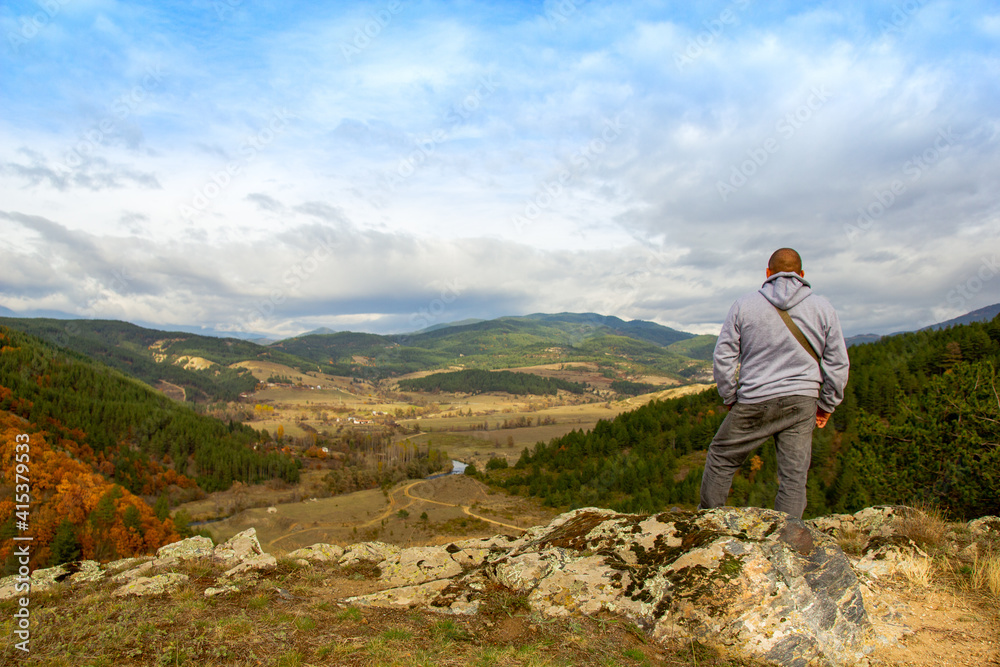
x=785, y=289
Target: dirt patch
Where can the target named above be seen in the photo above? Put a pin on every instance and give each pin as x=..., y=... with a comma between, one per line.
x=457, y=489
x=193, y=363
x=172, y=391
x=947, y=628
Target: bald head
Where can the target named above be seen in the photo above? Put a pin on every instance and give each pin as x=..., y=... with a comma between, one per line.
x=784, y=259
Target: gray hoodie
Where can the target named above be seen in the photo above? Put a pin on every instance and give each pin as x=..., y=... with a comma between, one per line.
x=757, y=358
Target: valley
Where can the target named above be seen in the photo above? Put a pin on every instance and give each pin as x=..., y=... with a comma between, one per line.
x=309, y=408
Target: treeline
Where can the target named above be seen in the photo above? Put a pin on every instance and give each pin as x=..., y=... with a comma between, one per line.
x=476, y=381
x=128, y=432
x=920, y=423
x=373, y=460
x=628, y=388
x=628, y=464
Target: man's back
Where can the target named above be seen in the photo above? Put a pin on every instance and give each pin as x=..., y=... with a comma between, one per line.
x=770, y=362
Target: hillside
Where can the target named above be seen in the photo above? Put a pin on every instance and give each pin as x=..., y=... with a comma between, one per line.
x=984, y=314
x=199, y=365
x=918, y=425
x=113, y=435
x=507, y=342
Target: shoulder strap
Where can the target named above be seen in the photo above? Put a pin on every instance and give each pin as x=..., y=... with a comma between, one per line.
x=799, y=336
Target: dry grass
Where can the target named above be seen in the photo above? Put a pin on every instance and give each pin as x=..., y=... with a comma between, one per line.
x=985, y=575
x=927, y=526
x=262, y=626
x=918, y=572
x=851, y=541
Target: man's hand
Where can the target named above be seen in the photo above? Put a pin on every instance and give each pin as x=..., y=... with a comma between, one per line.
x=822, y=417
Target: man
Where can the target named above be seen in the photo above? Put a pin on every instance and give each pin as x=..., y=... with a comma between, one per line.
x=772, y=384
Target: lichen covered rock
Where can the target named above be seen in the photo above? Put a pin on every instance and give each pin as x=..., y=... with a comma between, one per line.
x=372, y=552
x=418, y=565
x=319, y=553
x=161, y=583
x=241, y=546
x=752, y=579
x=192, y=547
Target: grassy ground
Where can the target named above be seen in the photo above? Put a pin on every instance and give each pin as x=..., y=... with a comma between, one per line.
x=293, y=617
x=411, y=513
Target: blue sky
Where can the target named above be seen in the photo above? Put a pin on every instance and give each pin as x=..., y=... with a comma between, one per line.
x=277, y=167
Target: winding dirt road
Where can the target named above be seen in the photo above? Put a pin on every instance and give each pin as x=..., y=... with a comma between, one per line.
x=394, y=507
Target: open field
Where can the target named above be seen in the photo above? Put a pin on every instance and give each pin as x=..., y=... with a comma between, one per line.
x=338, y=399
x=453, y=422
x=450, y=422
x=471, y=444
x=456, y=507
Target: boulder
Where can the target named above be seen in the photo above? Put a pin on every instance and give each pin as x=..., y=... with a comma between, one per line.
x=984, y=527
x=88, y=570
x=418, y=565
x=372, y=552
x=224, y=589
x=192, y=547
x=319, y=553
x=885, y=556
x=161, y=583
x=239, y=547
x=258, y=563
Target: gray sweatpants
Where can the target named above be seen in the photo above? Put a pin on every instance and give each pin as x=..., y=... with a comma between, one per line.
x=791, y=420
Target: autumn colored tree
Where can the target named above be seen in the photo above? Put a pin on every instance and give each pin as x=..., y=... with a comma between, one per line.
x=75, y=512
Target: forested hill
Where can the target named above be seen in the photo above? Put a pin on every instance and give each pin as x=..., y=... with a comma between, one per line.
x=510, y=342
x=125, y=422
x=477, y=381
x=118, y=430
x=154, y=356
x=920, y=424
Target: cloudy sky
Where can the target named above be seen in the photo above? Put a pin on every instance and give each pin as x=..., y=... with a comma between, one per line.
x=251, y=165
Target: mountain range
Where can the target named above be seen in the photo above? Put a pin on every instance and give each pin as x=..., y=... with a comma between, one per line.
x=206, y=366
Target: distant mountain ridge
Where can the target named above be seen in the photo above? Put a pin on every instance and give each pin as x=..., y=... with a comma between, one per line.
x=506, y=342
x=984, y=314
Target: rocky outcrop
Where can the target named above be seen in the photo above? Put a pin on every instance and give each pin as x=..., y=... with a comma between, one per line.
x=754, y=580
x=751, y=579
x=242, y=554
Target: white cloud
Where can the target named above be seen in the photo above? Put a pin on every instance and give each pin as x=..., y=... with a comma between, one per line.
x=422, y=150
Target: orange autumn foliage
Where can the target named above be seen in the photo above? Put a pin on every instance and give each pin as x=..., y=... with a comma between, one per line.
x=65, y=488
